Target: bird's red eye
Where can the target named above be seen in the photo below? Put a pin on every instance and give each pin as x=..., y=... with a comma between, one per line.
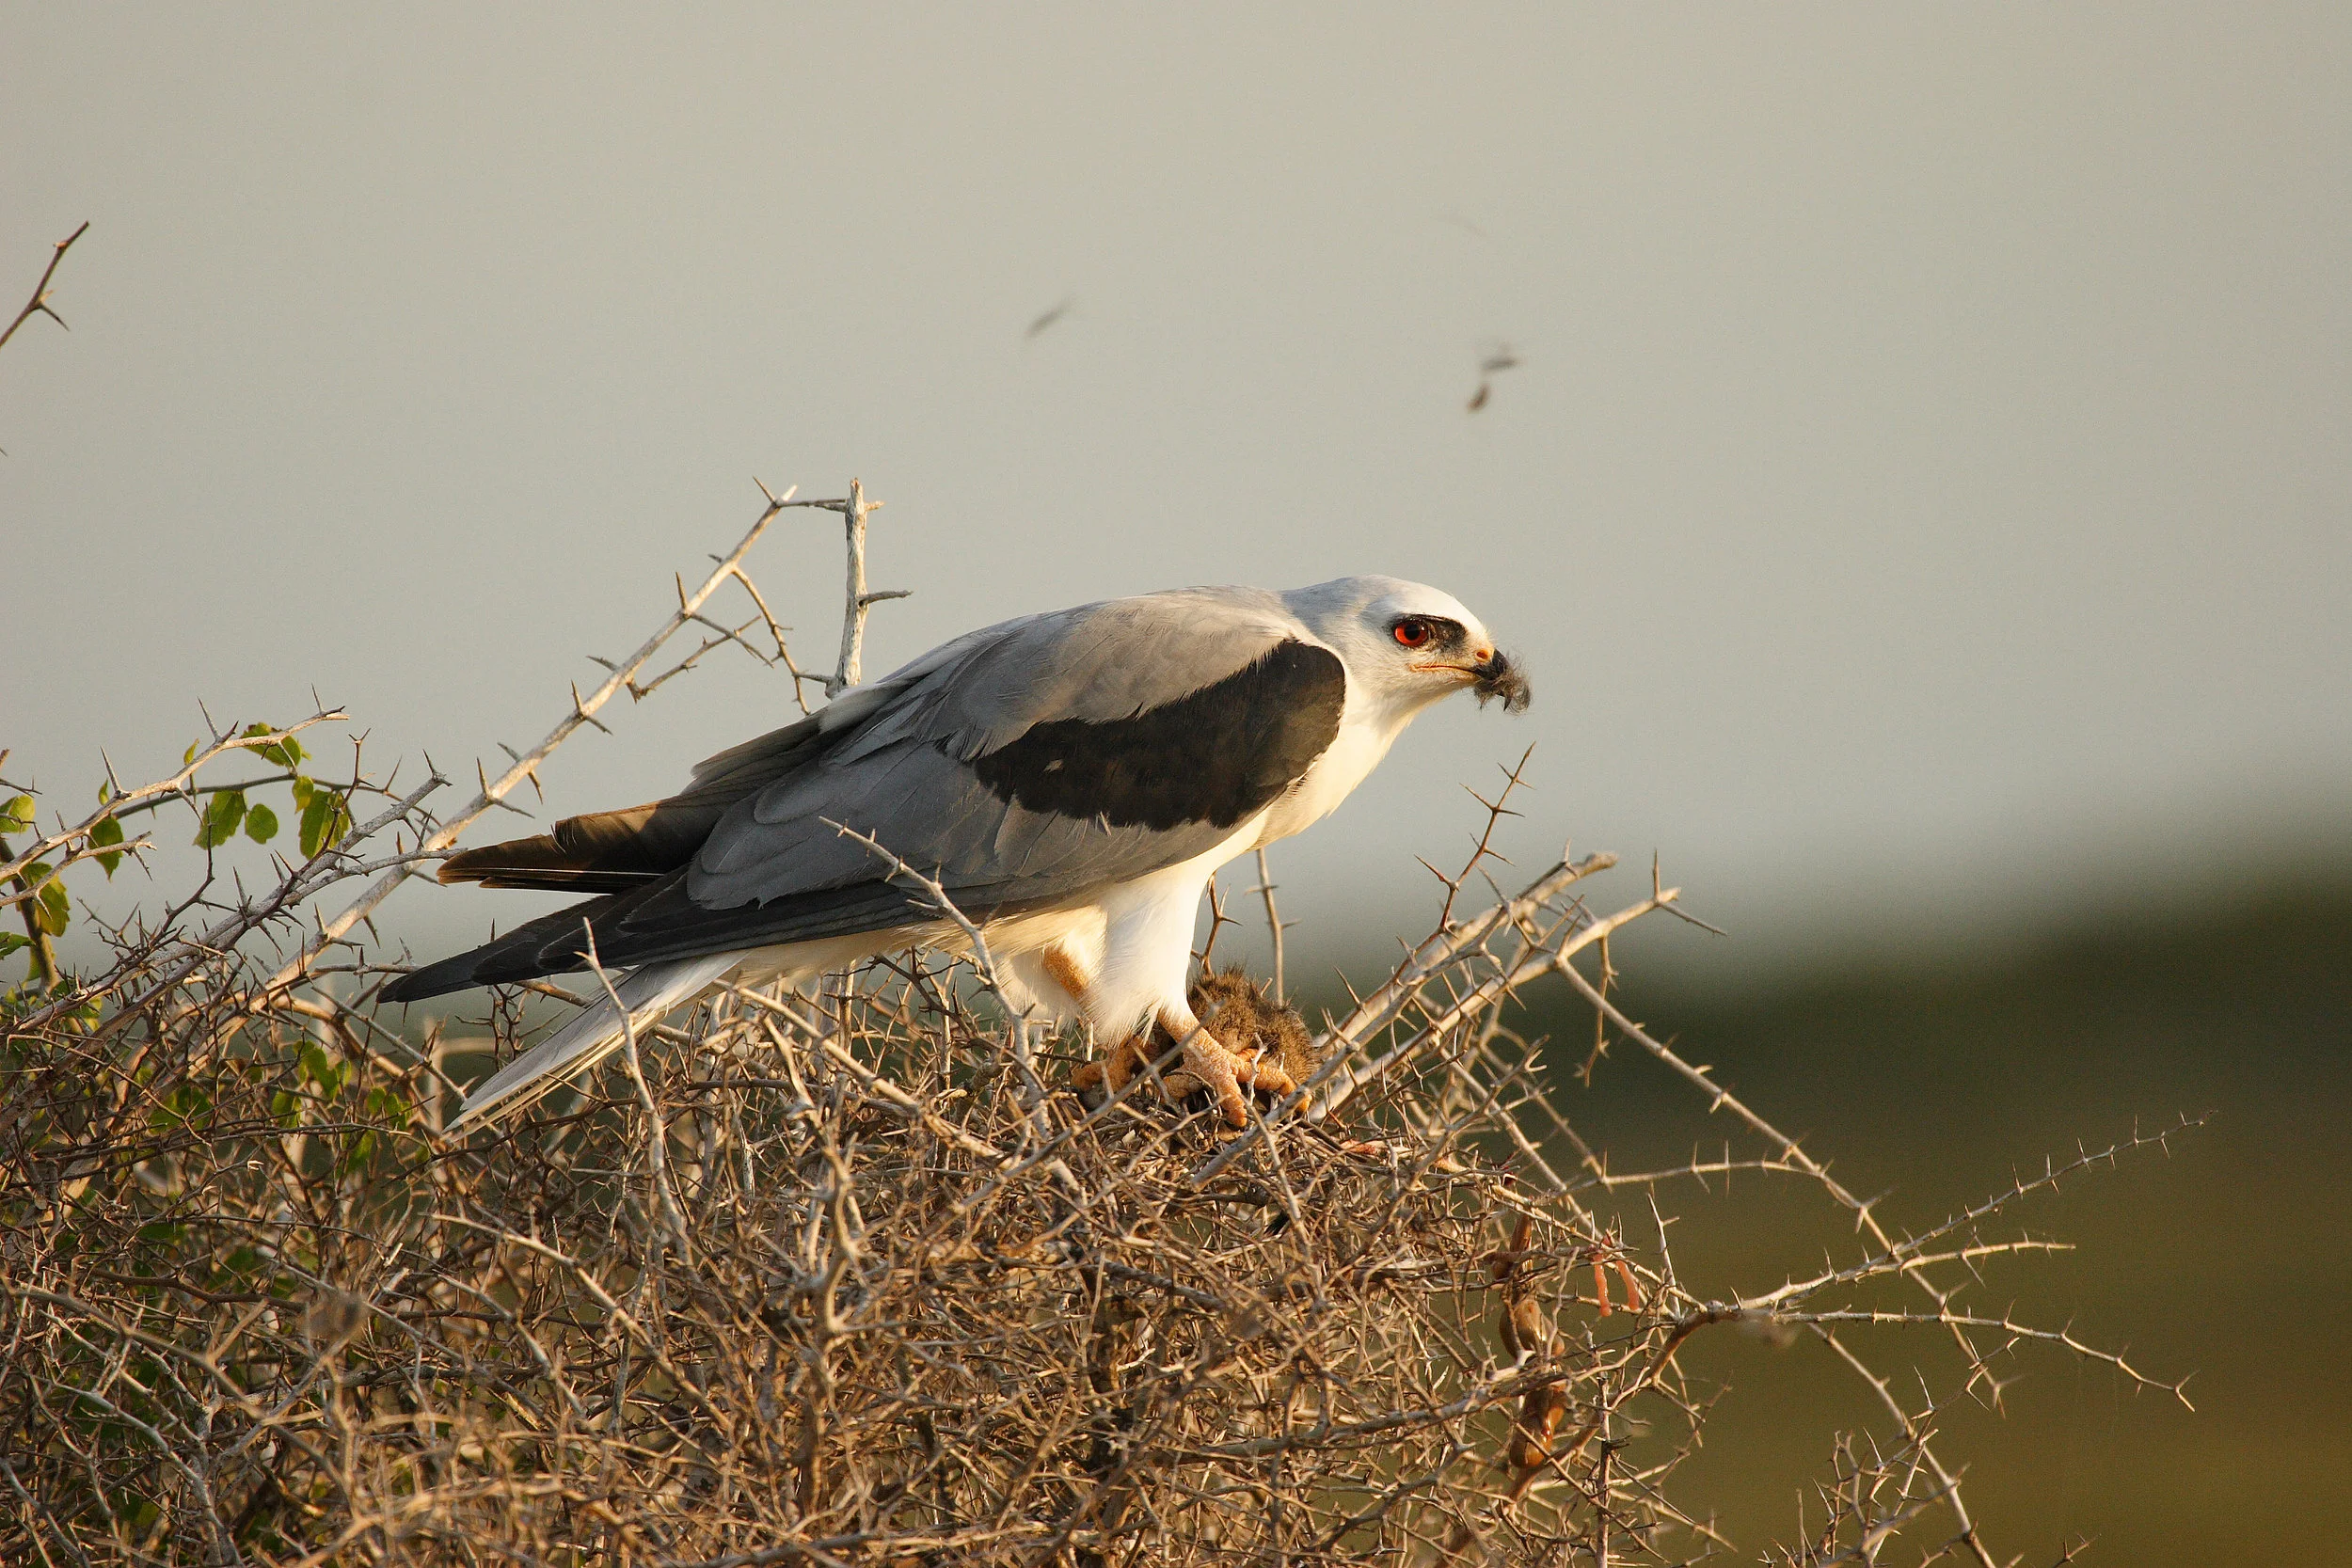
x=1413, y=634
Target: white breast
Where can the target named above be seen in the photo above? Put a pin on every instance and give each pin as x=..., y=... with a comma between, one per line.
x=1365, y=735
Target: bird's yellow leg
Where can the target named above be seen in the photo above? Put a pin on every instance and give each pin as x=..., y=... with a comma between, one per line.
x=1113, y=1070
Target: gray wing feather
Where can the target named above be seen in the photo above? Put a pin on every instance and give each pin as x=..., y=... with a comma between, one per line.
x=901, y=778
x=1100, y=661
x=1182, y=712
x=591, y=1036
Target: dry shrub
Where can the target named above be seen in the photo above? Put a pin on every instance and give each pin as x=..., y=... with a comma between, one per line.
x=846, y=1278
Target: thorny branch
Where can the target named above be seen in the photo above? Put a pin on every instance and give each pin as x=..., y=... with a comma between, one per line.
x=859, y=603
x=38, y=304
x=936, y=898
x=1274, y=925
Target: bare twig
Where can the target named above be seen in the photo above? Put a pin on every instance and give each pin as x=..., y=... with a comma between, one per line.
x=657, y=1135
x=38, y=304
x=858, y=602
x=1273, y=920
x=977, y=941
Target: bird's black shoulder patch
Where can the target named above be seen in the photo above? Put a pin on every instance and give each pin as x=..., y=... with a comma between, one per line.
x=1214, y=756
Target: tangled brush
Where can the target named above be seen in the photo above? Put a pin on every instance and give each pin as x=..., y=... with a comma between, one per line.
x=857, y=1275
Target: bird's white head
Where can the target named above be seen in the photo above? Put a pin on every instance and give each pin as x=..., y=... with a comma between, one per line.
x=1408, y=644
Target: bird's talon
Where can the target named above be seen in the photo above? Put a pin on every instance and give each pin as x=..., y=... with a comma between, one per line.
x=1273, y=1053
x=1212, y=1065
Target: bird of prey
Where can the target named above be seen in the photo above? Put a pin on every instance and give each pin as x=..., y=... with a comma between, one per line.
x=1070, y=781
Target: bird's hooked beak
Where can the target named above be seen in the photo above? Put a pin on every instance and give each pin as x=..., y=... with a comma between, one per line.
x=1498, y=677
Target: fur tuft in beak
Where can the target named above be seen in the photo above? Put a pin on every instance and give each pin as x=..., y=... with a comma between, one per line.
x=1498, y=677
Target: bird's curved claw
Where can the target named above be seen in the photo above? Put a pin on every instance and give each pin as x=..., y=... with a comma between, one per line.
x=1224, y=1072
x=1208, y=1064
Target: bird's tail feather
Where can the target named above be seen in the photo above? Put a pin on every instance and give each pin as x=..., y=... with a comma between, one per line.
x=589, y=1038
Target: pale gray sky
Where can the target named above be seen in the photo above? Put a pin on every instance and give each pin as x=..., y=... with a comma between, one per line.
x=1927, y=485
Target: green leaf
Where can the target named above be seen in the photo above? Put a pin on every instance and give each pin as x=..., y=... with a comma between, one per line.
x=54, y=911
x=303, y=790
x=284, y=753
x=108, y=832
x=320, y=1070
x=189, y=755
x=220, y=819
x=183, y=1107
x=11, y=941
x=16, y=813
x=261, y=824
x=323, y=820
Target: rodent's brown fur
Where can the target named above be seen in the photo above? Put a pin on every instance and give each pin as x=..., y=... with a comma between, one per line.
x=1231, y=1005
